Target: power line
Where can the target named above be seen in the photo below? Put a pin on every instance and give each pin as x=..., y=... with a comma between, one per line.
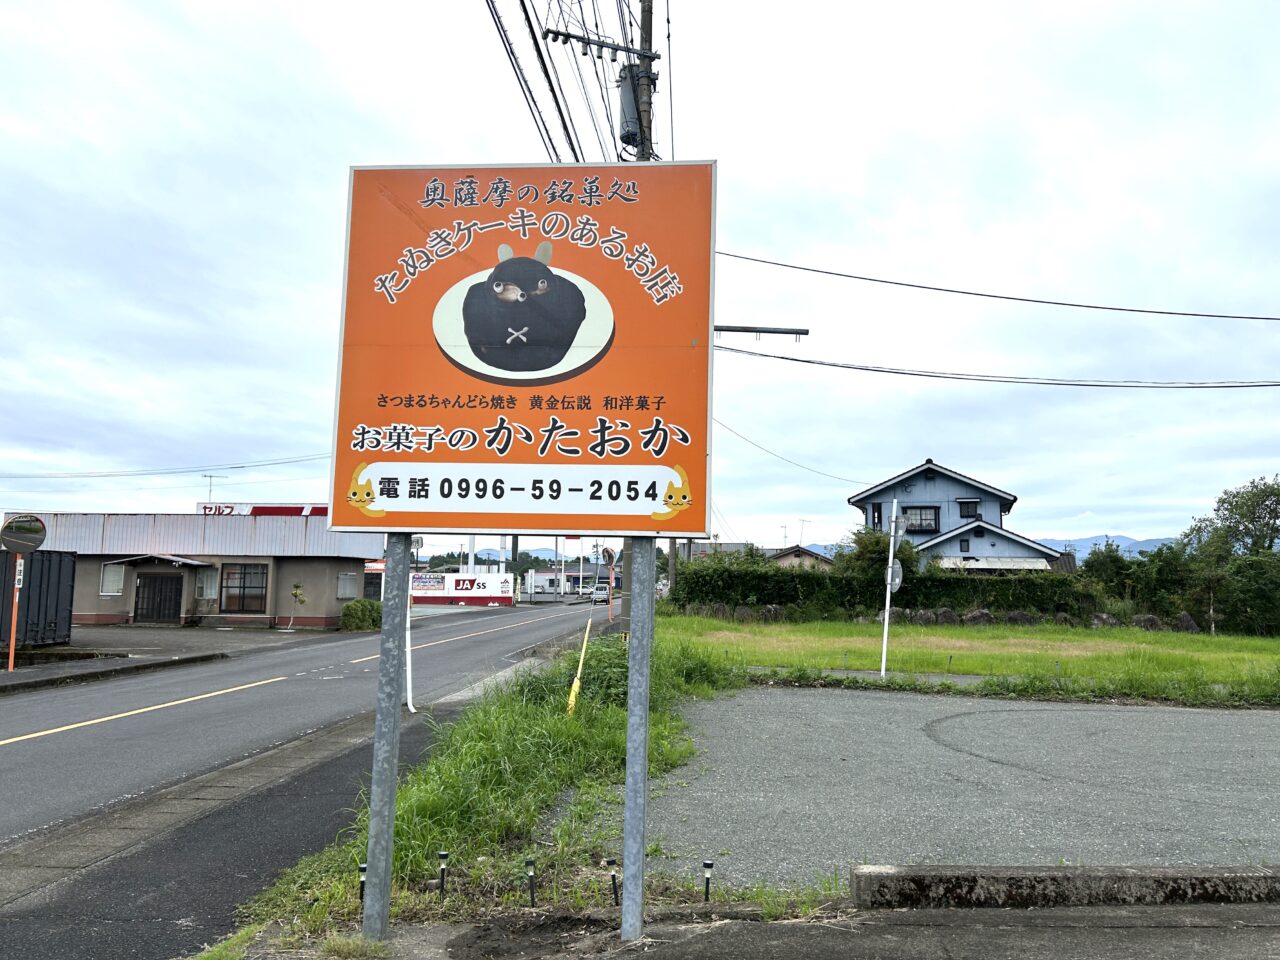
x=535, y=36
x=860, y=483
x=595, y=123
x=163, y=471
x=597, y=67
x=994, y=296
x=1031, y=381
x=531, y=102
x=181, y=486
x=728, y=527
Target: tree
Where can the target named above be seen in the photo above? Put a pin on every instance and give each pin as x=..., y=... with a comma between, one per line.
x=1164, y=579
x=1111, y=568
x=1247, y=517
x=865, y=554
x=299, y=598
x=1251, y=594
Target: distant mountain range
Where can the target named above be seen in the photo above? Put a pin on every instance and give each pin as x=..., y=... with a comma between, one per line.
x=1083, y=545
x=1086, y=545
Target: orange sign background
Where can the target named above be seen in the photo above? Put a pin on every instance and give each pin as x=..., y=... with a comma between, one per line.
x=433, y=433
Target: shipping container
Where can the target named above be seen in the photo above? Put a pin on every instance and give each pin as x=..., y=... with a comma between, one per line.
x=44, y=603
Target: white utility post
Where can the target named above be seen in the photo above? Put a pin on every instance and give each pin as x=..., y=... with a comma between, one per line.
x=408, y=646
x=892, y=572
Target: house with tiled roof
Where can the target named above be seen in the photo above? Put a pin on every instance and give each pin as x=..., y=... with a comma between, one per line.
x=954, y=518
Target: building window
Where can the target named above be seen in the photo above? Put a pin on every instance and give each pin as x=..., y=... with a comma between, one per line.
x=964, y=546
x=921, y=519
x=244, y=588
x=347, y=586
x=968, y=509
x=112, y=584
x=207, y=583
x=876, y=522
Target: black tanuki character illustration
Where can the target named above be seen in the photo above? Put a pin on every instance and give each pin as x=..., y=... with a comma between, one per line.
x=523, y=317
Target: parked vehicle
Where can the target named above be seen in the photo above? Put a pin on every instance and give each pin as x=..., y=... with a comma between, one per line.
x=586, y=589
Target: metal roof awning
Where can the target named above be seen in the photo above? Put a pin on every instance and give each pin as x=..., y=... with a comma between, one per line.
x=166, y=557
x=994, y=563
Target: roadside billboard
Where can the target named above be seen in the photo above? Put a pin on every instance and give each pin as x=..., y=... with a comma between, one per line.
x=527, y=349
x=465, y=589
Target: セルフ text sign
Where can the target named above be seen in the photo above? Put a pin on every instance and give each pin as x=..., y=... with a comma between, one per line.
x=527, y=349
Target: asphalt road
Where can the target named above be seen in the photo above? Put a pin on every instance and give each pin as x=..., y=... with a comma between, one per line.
x=791, y=786
x=197, y=836
x=173, y=895
x=67, y=751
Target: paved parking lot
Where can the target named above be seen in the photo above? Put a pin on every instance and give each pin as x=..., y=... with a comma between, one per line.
x=792, y=785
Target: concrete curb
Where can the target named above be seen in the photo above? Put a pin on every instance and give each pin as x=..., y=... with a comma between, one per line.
x=888, y=887
x=127, y=666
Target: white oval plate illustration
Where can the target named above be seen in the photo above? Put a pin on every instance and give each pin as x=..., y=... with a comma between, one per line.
x=594, y=338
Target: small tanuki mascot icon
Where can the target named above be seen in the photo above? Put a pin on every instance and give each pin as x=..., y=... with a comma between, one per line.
x=523, y=317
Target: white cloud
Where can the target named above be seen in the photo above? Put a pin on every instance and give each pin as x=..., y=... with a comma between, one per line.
x=173, y=191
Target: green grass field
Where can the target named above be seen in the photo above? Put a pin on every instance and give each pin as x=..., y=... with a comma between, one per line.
x=1179, y=667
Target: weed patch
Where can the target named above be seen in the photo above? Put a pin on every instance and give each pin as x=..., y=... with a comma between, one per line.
x=491, y=779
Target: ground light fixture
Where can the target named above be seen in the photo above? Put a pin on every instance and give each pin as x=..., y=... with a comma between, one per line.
x=444, y=869
x=612, y=864
x=364, y=868
x=706, y=880
x=528, y=865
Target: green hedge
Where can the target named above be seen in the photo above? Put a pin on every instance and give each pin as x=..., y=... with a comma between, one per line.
x=1047, y=593
x=362, y=615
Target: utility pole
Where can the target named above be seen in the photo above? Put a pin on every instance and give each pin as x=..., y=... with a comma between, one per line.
x=212, y=477
x=645, y=104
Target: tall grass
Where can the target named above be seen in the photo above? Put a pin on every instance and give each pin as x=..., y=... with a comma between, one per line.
x=495, y=774
x=1125, y=656
x=1015, y=661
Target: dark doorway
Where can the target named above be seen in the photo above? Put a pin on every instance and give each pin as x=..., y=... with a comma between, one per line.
x=159, y=598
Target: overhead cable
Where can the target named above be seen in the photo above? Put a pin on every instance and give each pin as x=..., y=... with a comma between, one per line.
x=994, y=296
x=536, y=36
x=1030, y=381
x=794, y=463
x=595, y=123
x=162, y=471
x=548, y=142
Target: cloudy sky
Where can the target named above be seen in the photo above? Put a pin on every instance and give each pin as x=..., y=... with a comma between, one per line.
x=173, y=190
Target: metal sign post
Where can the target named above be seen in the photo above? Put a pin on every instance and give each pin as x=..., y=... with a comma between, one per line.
x=639, y=647
x=569, y=363
x=895, y=538
x=386, y=739
x=19, y=535
x=13, y=620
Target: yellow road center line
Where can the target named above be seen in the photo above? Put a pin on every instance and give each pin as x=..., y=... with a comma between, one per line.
x=134, y=713
x=467, y=636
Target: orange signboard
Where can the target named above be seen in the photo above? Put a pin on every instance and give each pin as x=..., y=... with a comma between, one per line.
x=527, y=349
